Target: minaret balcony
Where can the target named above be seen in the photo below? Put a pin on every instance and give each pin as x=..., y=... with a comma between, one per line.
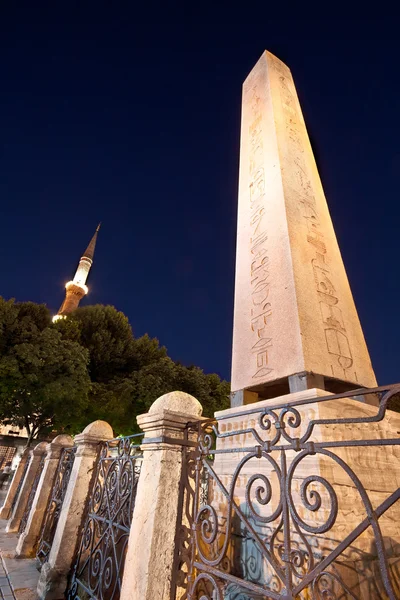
x=80, y=289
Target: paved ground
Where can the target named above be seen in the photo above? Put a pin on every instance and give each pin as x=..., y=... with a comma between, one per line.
x=5, y=586
x=18, y=576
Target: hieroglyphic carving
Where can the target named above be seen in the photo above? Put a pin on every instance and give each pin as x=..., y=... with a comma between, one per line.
x=336, y=339
x=261, y=309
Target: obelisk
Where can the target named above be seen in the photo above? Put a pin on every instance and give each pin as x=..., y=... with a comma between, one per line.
x=295, y=322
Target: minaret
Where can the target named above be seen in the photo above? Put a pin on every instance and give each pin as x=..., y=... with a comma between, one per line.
x=77, y=288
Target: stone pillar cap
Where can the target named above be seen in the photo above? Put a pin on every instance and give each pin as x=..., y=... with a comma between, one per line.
x=40, y=448
x=62, y=440
x=179, y=402
x=97, y=431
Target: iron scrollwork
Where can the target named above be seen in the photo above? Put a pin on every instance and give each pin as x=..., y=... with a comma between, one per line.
x=55, y=503
x=269, y=501
x=99, y=563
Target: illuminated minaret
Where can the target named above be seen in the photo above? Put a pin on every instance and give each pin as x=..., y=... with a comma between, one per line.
x=77, y=288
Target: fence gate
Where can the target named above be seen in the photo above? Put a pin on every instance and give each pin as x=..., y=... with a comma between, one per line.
x=98, y=568
x=54, y=506
x=286, y=503
x=31, y=497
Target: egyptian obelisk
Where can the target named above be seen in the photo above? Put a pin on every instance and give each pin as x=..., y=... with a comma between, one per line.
x=295, y=322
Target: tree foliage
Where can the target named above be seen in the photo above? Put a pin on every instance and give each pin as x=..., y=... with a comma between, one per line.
x=113, y=351
x=128, y=374
x=44, y=382
x=120, y=401
x=88, y=366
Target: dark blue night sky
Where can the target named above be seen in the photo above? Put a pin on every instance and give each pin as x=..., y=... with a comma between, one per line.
x=107, y=115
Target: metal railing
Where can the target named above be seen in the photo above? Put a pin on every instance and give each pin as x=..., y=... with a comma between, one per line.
x=98, y=568
x=55, y=503
x=292, y=502
x=31, y=496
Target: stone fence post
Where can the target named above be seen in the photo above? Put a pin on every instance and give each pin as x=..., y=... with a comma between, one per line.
x=5, y=510
x=150, y=556
x=35, y=457
x=54, y=573
x=26, y=546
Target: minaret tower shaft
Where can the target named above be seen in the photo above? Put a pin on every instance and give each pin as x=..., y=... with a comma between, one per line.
x=77, y=288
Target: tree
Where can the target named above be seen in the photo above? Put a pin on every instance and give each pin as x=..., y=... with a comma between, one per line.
x=44, y=381
x=128, y=374
x=120, y=401
x=113, y=351
x=85, y=367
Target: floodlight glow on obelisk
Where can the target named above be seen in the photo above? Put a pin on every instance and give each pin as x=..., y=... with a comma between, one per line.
x=295, y=321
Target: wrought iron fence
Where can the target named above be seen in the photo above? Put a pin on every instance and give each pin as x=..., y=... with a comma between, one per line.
x=302, y=501
x=55, y=503
x=99, y=564
x=21, y=481
x=31, y=496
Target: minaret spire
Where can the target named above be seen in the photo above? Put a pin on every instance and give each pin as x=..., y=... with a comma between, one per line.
x=89, y=252
x=77, y=288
